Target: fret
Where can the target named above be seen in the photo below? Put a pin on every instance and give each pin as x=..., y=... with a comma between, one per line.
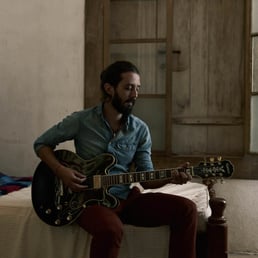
x=137, y=177
x=121, y=179
x=142, y=177
x=151, y=175
x=103, y=179
x=130, y=178
x=162, y=174
x=109, y=180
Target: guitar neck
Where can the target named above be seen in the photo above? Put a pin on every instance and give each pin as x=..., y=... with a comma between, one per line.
x=133, y=177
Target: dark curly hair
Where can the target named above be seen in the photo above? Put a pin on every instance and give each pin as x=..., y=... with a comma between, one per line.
x=112, y=74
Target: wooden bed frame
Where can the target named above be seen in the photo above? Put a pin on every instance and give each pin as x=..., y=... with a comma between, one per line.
x=214, y=242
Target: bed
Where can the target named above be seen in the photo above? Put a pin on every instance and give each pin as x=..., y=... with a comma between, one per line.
x=24, y=235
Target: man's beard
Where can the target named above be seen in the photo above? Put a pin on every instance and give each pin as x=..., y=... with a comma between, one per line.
x=123, y=108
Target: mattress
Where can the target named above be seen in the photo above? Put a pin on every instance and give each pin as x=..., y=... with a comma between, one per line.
x=24, y=235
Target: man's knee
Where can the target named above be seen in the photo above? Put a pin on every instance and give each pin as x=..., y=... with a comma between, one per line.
x=111, y=234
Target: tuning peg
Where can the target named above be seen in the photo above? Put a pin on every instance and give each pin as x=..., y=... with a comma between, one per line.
x=219, y=158
x=212, y=160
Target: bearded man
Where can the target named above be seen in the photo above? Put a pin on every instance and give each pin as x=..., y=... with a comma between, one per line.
x=110, y=127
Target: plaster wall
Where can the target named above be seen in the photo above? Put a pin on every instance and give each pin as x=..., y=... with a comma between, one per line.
x=41, y=74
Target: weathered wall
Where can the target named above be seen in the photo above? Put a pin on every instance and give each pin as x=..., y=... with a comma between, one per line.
x=41, y=73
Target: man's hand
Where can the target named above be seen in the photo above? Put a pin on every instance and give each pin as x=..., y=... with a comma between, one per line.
x=71, y=178
x=181, y=177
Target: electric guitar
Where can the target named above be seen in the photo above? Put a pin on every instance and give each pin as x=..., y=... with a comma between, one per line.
x=57, y=205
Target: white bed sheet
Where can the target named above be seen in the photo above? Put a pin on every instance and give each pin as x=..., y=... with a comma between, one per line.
x=24, y=235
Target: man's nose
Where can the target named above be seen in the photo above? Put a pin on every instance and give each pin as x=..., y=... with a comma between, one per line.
x=134, y=93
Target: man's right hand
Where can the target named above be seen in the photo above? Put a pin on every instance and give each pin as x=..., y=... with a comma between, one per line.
x=71, y=178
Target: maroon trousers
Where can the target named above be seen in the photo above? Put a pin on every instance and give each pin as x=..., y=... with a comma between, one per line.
x=147, y=210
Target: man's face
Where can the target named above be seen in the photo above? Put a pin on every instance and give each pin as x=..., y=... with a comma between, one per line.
x=126, y=93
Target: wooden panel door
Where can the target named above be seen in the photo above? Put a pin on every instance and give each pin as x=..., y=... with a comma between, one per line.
x=208, y=77
x=191, y=56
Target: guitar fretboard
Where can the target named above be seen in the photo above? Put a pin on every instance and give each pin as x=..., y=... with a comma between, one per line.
x=128, y=178
x=222, y=169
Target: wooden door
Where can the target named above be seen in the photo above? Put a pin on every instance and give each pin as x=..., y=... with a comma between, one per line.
x=191, y=55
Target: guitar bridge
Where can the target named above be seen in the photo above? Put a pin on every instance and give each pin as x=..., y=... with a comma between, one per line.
x=97, y=181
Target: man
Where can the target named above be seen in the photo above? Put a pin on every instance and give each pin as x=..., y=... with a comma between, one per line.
x=110, y=127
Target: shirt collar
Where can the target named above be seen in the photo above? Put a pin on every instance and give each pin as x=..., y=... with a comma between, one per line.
x=128, y=124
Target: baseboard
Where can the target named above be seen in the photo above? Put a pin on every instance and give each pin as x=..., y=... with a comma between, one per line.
x=243, y=253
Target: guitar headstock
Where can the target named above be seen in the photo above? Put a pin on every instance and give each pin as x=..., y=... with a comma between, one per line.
x=214, y=168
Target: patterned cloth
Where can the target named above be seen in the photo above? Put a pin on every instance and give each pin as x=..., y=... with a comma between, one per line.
x=10, y=183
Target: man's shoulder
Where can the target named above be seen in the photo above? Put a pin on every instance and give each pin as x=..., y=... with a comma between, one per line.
x=136, y=121
x=87, y=112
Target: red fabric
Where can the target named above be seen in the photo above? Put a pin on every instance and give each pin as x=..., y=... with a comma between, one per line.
x=147, y=210
x=10, y=188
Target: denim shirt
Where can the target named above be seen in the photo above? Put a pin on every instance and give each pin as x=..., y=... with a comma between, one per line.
x=92, y=136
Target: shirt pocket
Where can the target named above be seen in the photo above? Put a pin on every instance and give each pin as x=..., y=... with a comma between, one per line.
x=125, y=151
x=125, y=146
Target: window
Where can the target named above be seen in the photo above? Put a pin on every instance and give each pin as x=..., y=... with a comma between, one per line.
x=138, y=33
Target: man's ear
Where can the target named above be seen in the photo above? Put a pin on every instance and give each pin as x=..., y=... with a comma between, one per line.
x=109, y=89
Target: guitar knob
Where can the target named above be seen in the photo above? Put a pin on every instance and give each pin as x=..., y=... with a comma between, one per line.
x=59, y=207
x=58, y=222
x=48, y=211
x=69, y=217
